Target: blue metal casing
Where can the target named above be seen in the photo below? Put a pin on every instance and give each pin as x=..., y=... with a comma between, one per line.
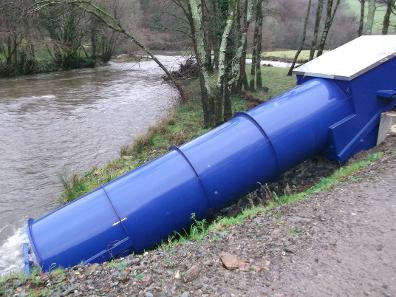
x=140, y=209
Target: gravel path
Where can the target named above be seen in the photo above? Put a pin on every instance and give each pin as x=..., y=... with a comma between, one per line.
x=340, y=242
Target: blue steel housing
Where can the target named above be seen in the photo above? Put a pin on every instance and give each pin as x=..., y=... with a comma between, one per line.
x=143, y=207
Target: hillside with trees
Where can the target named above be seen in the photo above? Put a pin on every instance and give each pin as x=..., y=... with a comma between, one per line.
x=58, y=37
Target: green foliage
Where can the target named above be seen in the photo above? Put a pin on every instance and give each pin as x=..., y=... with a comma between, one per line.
x=138, y=275
x=119, y=265
x=197, y=231
x=72, y=185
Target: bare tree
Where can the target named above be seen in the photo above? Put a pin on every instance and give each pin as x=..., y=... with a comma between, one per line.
x=66, y=29
x=361, y=19
x=197, y=28
x=17, y=51
x=330, y=14
x=109, y=20
x=223, y=103
x=370, y=16
x=318, y=19
x=255, y=71
x=242, y=51
x=304, y=35
x=390, y=8
x=216, y=99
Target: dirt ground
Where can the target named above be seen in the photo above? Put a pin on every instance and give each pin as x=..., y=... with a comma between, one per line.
x=340, y=242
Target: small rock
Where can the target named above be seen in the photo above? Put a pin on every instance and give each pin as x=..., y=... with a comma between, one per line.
x=177, y=275
x=185, y=294
x=191, y=274
x=149, y=294
x=289, y=250
x=232, y=262
x=229, y=261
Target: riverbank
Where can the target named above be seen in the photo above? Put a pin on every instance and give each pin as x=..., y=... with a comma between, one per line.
x=43, y=65
x=264, y=250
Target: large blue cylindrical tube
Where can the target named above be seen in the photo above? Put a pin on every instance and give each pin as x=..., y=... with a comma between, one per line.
x=143, y=207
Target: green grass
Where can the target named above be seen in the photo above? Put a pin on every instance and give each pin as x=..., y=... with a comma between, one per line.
x=200, y=229
x=37, y=287
x=354, y=7
x=286, y=55
x=184, y=124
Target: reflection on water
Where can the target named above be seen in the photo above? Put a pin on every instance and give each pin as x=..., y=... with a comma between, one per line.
x=58, y=123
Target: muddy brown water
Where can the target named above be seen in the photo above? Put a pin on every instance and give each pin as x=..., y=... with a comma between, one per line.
x=60, y=123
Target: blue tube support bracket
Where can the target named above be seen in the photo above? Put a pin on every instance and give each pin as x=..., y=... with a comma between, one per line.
x=332, y=110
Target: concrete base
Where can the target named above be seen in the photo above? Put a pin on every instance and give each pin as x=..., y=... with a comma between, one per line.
x=387, y=126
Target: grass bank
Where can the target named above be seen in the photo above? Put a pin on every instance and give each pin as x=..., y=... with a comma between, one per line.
x=182, y=125
x=286, y=55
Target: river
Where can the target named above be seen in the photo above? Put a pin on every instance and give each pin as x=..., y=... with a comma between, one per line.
x=52, y=125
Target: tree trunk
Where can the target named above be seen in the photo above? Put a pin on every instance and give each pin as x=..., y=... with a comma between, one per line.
x=361, y=20
x=259, y=81
x=227, y=98
x=206, y=34
x=223, y=75
x=215, y=31
x=370, y=16
x=318, y=18
x=252, y=83
x=242, y=51
x=304, y=35
x=94, y=39
x=256, y=55
x=390, y=5
x=330, y=14
x=195, y=7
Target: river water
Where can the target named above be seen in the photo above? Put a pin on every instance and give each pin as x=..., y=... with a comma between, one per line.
x=56, y=124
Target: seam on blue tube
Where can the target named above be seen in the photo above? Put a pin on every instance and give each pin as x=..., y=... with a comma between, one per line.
x=120, y=220
x=175, y=148
x=253, y=121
